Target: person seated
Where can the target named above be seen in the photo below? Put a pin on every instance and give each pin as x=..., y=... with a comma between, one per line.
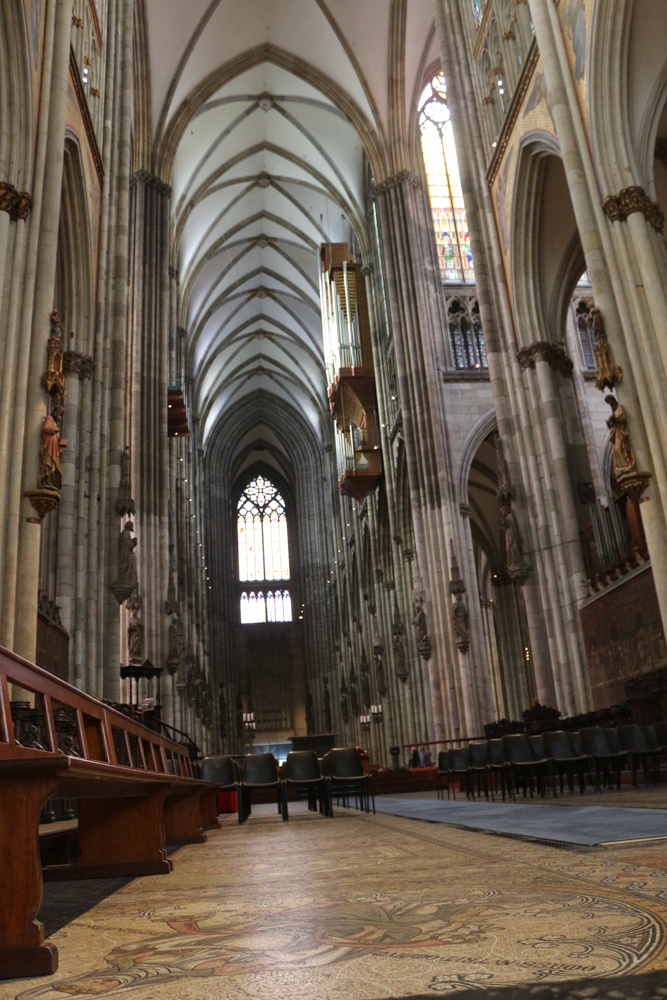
x=414, y=759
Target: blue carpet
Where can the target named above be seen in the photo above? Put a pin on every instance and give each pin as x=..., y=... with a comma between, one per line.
x=587, y=825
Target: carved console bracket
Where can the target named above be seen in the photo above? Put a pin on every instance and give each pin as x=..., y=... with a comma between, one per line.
x=395, y=180
x=542, y=350
x=17, y=204
x=617, y=207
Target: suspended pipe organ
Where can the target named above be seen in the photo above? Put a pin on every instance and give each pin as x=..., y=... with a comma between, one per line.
x=349, y=370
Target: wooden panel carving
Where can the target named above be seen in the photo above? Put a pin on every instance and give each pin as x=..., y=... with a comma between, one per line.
x=623, y=635
x=52, y=648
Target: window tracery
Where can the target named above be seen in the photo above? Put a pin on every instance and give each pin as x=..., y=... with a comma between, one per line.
x=466, y=334
x=582, y=305
x=444, y=183
x=263, y=553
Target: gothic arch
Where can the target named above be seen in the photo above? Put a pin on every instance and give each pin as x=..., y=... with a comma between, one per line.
x=478, y=432
x=74, y=285
x=16, y=96
x=546, y=255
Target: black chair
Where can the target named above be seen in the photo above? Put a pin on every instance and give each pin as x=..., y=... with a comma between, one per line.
x=442, y=772
x=498, y=765
x=605, y=752
x=479, y=766
x=560, y=750
x=259, y=770
x=656, y=737
x=302, y=770
x=220, y=771
x=344, y=772
x=633, y=740
x=524, y=764
x=459, y=764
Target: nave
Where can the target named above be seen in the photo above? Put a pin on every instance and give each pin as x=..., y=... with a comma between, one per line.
x=361, y=908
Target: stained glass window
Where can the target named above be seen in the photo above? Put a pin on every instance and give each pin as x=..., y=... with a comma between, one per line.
x=258, y=607
x=467, y=336
x=263, y=552
x=478, y=10
x=444, y=183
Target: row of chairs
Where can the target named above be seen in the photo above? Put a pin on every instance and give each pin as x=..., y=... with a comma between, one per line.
x=338, y=774
x=521, y=759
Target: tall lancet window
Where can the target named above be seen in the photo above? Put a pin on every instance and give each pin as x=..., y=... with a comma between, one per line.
x=444, y=183
x=263, y=554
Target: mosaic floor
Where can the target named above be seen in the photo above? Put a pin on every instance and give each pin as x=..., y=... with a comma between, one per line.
x=359, y=908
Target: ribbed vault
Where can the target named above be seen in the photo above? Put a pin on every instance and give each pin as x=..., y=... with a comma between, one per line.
x=268, y=121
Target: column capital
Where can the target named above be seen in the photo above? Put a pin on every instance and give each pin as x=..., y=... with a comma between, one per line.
x=72, y=363
x=17, y=204
x=542, y=350
x=617, y=207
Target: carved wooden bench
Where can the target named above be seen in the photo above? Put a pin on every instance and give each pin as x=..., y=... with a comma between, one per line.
x=128, y=807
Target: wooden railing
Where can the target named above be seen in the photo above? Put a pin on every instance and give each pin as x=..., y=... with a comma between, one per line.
x=102, y=733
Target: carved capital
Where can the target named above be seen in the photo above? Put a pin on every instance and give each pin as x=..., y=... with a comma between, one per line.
x=87, y=367
x=17, y=204
x=542, y=350
x=617, y=207
x=72, y=363
x=150, y=181
x=402, y=177
x=173, y=273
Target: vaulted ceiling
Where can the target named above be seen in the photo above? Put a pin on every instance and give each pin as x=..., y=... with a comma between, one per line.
x=268, y=117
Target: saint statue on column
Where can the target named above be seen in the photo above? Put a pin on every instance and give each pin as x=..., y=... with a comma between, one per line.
x=50, y=474
x=623, y=457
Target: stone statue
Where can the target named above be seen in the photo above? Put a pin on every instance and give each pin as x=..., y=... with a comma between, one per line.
x=380, y=678
x=623, y=457
x=127, y=561
x=326, y=699
x=509, y=526
x=352, y=694
x=461, y=620
x=173, y=649
x=503, y=479
x=135, y=639
x=365, y=681
x=400, y=665
x=50, y=474
x=310, y=712
x=344, y=708
x=419, y=622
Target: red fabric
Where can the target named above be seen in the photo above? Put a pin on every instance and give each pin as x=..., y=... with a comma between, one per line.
x=227, y=802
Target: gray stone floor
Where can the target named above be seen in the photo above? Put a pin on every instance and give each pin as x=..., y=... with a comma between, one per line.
x=585, y=825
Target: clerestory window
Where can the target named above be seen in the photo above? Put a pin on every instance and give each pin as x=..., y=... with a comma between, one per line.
x=263, y=554
x=444, y=183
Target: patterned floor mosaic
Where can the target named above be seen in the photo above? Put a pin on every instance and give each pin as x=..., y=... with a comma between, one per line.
x=362, y=908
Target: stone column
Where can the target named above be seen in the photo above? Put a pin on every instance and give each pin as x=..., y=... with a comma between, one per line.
x=647, y=383
x=27, y=571
x=456, y=678
x=118, y=354
x=65, y=575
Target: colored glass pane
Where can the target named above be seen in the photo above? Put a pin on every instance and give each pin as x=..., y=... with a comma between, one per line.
x=262, y=533
x=478, y=10
x=444, y=183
